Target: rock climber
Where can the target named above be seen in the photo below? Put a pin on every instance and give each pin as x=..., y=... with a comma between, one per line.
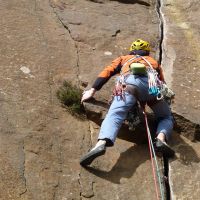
x=132, y=87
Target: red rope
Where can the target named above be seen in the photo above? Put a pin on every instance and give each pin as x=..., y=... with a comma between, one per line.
x=150, y=150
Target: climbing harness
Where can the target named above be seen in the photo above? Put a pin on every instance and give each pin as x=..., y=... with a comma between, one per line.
x=156, y=87
x=120, y=86
x=155, y=84
x=154, y=163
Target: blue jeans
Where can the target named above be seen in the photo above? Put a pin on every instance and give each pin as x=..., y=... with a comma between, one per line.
x=119, y=109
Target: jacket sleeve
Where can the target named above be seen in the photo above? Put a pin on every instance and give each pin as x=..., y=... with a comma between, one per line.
x=107, y=72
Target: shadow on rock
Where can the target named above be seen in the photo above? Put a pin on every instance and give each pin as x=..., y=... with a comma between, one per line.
x=139, y=134
x=125, y=166
x=186, y=154
x=133, y=2
x=187, y=128
x=124, y=2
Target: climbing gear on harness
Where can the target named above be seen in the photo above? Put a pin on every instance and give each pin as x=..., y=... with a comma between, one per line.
x=140, y=45
x=154, y=161
x=119, y=89
x=138, y=69
x=167, y=93
x=155, y=84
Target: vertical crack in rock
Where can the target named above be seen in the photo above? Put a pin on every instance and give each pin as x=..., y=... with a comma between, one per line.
x=71, y=36
x=23, y=171
x=79, y=182
x=81, y=147
x=166, y=178
x=161, y=31
x=79, y=175
x=77, y=63
x=84, y=138
x=60, y=170
x=161, y=28
x=50, y=78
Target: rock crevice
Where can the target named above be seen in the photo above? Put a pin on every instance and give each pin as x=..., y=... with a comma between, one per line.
x=24, y=171
x=161, y=32
x=161, y=29
x=64, y=24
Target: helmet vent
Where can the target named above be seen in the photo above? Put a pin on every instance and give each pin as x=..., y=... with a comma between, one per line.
x=140, y=45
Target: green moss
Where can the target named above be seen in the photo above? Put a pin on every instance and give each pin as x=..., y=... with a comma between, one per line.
x=70, y=95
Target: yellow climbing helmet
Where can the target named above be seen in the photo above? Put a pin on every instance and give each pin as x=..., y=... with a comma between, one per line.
x=140, y=45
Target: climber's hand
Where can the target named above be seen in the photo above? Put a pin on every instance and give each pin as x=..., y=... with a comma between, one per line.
x=88, y=94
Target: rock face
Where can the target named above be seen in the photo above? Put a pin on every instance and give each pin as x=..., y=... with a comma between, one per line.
x=44, y=43
x=181, y=56
x=37, y=136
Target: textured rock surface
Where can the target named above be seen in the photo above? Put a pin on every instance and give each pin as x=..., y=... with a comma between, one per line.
x=181, y=55
x=184, y=169
x=38, y=153
x=46, y=42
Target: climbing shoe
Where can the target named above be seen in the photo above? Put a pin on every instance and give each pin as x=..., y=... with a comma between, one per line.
x=91, y=155
x=164, y=148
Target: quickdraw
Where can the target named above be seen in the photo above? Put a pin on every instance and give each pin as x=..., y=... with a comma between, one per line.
x=155, y=84
x=167, y=93
x=119, y=89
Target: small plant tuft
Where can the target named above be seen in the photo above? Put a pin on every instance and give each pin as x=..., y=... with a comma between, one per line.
x=70, y=96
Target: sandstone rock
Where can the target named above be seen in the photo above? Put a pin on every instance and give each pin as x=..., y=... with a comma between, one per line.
x=181, y=58
x=44, y=43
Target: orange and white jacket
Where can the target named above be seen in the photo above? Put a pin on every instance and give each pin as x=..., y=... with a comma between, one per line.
x=121, y=65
